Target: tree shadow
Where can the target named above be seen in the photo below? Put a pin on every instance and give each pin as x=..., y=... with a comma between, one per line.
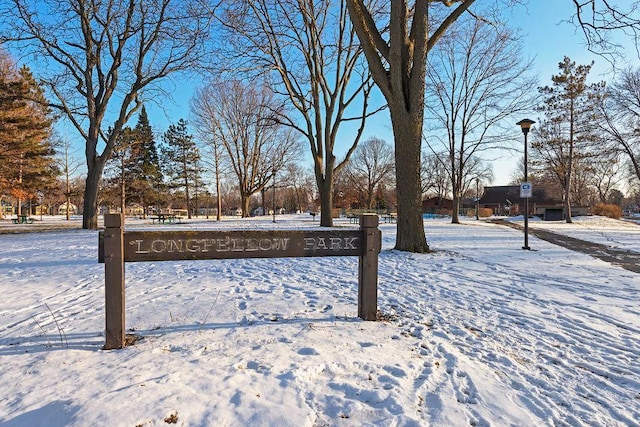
x=94, y=341
x=59, y=413
x=88, y=341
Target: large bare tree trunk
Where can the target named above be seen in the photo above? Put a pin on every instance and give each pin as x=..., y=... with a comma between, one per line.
x=407, y=130
x=326, y=200
x=455, y=208
x=324, y=182
x=245, y=202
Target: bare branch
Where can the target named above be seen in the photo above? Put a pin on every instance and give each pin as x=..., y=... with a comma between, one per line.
x=98, y=59
x=605, y=25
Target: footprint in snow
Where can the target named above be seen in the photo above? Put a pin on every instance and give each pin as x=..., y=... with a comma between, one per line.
x=307, y=351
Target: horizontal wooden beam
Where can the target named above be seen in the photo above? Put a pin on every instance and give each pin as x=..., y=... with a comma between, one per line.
x=140, y=246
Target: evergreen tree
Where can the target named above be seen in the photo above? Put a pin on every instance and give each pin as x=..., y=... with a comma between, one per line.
x=119, y=181
x=134, y=166
x=145, y=172
x=181, y=159
x=27, y=165
x=567, y=134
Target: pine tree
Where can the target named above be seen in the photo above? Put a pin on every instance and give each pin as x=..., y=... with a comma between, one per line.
x=181, y=159
x=27, y=165
x=567, y=133
x=145, y=172
x=134, y=166
x=119, y=180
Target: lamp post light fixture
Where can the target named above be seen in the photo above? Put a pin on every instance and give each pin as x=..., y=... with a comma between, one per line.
x=525, y=187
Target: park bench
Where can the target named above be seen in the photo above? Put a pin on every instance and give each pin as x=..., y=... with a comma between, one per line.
x=22, y=219
x=390, y=217
x=166, y=218
x=353, y=218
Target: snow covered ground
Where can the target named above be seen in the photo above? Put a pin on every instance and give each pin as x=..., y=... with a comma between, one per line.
x=478, y=332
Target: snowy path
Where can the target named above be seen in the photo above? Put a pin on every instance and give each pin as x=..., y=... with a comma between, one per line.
x=612, y=252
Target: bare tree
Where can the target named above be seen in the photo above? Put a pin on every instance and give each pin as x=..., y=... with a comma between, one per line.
x=312, y=55
x=620, y=110
x=298, y=188
x=68, y=167
x=99, y=58
x=434, y=177
x=398, y=66
x=606, y=174
x=477, y=79
x=371, y=164
x=475, y=169
x=204, y=112
x=601, y=20
x=240, y=117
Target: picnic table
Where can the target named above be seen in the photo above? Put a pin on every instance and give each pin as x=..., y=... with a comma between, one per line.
x=165, y=218
x=353, y=219
x=22, y=219
x=390, y=217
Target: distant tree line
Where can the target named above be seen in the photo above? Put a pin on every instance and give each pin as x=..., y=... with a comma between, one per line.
x=584, y=150
x=584, y=147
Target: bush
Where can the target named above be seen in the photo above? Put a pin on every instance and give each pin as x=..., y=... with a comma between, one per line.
x=610, y=211
x=483, y=212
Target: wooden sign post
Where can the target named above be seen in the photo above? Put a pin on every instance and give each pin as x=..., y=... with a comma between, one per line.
x=117, y=247
x=114, y=281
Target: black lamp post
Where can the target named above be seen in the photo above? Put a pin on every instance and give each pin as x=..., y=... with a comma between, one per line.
x=525, y=125
x=477, y=198
x=274, y=195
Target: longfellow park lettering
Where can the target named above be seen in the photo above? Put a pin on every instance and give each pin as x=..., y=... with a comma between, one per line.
x=241, y=244
x=140, y=246
x=117, y=247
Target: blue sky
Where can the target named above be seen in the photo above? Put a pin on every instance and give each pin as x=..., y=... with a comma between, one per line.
x=547, y=36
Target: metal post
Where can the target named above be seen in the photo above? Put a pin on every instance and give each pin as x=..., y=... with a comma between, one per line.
x=525, y=125
x=114, y=281
x=477, y=199
x=526, y=200
x=368, y=268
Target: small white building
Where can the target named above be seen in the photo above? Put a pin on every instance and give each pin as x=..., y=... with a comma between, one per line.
x=62, y=209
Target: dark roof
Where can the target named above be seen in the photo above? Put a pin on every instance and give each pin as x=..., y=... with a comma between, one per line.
x=511, y=193
x=500, y=195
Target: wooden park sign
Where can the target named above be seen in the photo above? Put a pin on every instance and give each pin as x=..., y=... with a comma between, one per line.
x=117, y=246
